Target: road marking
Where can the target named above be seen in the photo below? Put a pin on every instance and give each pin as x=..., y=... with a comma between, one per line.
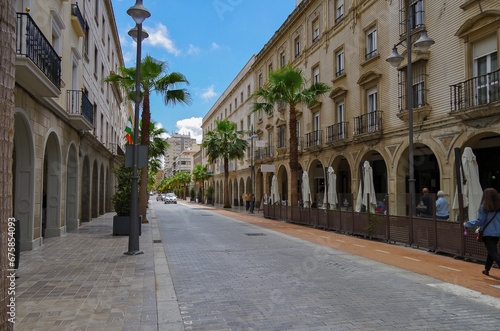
x=442, y=266
x=410, y=258
x=359, y=245
x=378, y=250
x=340, y=240
x=299, y=230
x=324, y=237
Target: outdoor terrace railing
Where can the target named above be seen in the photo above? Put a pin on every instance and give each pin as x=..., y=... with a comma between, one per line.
x=78, y=103
x=367, y=123
x=31, y=42
x=75, y=11
x=428, y=233
x=314, y=138
x=476, y=91
x=336, y=132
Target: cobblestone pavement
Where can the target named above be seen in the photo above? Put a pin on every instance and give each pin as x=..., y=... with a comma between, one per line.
x=83, y=281
x=233, y=275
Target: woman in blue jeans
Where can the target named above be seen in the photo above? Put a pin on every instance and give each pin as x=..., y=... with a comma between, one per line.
x=490, y=205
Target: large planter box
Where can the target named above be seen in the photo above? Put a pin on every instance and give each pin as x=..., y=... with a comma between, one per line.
x=121, y=225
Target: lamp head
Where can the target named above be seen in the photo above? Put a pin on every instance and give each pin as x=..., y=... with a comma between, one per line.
x=395, y=58
x=138, y=12
x=134, y=32
x=424, y=42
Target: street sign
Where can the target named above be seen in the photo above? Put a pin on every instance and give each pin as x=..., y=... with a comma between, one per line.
x=260, y=143
x=267, y=168
x=142, y=156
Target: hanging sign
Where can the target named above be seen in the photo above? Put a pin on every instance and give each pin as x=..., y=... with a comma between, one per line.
x=260, y=143
x=267, y=168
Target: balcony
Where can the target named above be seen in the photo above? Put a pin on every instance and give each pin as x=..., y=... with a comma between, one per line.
x=475, y=98
x=38, y=67
x=77, y=20
x=336, y=134
x=314, y=139
x=368, y=126
x=80, y=110
x=267, y=152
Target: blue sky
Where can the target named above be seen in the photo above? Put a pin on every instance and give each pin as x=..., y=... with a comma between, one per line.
x=209, y=41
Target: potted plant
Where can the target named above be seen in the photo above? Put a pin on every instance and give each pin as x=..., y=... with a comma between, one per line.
x=121, y=200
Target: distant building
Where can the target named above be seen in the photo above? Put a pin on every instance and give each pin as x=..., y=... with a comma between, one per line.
x=178, y=142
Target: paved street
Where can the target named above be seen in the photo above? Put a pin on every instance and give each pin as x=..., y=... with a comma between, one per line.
x=212, y=269
x=231, y=275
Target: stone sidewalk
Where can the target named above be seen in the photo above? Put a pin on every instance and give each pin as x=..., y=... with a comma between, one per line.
x=83, y=281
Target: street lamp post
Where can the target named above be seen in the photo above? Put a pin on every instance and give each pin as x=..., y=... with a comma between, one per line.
x=423, y=43
x=139, y=14
x=252, y=171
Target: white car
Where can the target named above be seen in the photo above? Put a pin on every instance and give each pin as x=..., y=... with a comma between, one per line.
x=160, y=197
x=170, y=198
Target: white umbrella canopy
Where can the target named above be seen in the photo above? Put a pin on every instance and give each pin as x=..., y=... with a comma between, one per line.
x=331, y=190
x=306, y=190
x=366, y=189
x=472, y=190
x=275, y=193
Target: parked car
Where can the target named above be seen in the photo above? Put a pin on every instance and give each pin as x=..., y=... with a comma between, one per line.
x=160, y=197
x=170, y=198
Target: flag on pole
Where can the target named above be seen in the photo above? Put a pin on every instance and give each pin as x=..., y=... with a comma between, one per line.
x=130, y=134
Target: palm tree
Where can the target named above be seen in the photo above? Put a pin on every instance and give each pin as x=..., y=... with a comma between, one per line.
x=154, y=77
x=201, y=174
x=287, y=85
x=224, y=143
x=7, y=58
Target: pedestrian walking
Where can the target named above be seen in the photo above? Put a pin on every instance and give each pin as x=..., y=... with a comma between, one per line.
x=442, y=212
x=488, y=220
x=247, y=200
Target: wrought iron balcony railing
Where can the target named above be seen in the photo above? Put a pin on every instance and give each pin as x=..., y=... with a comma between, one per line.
x=314, y=138
x=476, y=91
x=336, y=132
x=368, y=123
x=75, y=11
x=31, y=42
x=78, y=103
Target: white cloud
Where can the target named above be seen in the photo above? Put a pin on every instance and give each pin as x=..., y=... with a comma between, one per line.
x=158, y=36
x=208, y=93
x=193, y=50
x=215, y=46
x=191, y=126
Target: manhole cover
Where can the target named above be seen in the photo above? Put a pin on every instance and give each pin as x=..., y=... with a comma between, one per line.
x=157, y=241
x=255, y=234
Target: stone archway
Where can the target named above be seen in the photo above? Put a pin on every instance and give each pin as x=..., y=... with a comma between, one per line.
x=241, y=192
x=236, y=201
x=316, y=174
x=72, y=188
x=283, y=183
x=51, y=188
x=24, y=178
x=85, y=194
x=230, y=187
x=101, y=190
x=109, y=190
x=427, y=174
x=95, y=191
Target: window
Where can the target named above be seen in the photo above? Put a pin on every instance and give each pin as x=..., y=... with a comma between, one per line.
x=270, y=68
x=315, y=30
x=281, y=136
x=282, y=57
x=57, y=26
x=103, y=29
x=339, y=10
x=108, y=45
x=270, y=144
x=241, y=125
x=419, y=92
x=96, y=13
x=340, y=120
x=316, y=125
x=249, y=92
x=230, y=108
x=371, y=43
x=297, y=47
x=371, y=96
x=248, y=122
x=316, y=74
x=235, y=103
x=225, y=113
x=417, y=13
x=260, y=114
x=241, y=97
x=96, y=61
x=339, y=56
x=485, y=70
x=86, y=42
x=260, y=80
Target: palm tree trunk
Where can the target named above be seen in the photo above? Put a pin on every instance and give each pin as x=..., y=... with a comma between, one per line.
x=294, y=157
x=7, y=70
x=226, y=183
x=143, y=189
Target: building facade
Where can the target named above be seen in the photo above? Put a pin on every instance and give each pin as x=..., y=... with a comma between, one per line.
x=177, y=144
x=345, y=43
x=68, y=124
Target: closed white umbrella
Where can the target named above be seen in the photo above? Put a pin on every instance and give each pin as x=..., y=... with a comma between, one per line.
x=306, y=190
x=275, y=193
x=331, y=190
x=471, y=190
x=366, y=189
